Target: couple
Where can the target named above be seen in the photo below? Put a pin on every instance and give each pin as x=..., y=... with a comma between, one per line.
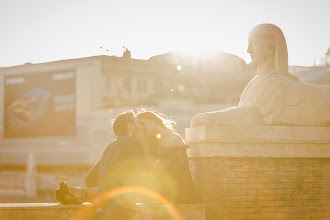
x=146, y=153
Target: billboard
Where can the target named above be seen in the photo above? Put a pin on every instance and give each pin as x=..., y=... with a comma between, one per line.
x=37, y=105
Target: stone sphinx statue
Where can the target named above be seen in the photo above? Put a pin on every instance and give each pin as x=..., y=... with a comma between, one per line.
x=274, y=96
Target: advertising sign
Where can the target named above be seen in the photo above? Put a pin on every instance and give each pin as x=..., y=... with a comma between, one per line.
x=39, y=105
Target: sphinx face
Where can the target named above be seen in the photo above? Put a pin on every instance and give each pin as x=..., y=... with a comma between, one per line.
x=260, y=50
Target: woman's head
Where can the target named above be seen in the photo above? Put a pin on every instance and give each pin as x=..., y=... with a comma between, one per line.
x=153, y=121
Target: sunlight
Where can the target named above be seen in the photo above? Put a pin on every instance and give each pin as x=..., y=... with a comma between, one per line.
x=132, y=191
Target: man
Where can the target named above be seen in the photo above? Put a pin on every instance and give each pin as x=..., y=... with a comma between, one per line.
x=123, y=156
x=122, y=164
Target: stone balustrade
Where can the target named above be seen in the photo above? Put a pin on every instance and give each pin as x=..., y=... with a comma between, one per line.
x=262, y=172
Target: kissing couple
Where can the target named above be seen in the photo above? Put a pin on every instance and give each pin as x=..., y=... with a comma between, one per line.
x=146, y=158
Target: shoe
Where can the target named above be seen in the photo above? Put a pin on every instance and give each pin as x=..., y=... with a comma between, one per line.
x=63, y=192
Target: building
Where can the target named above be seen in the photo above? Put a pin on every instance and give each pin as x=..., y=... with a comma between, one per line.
x=317, y=74
x=99, y=82
x=101, y=87
x=213, y=77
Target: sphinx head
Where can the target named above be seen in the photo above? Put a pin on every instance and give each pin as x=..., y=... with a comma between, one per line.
x=267, y=43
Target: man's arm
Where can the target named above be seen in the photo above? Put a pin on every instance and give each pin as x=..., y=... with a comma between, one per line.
x=143, y=150
x=92, y=177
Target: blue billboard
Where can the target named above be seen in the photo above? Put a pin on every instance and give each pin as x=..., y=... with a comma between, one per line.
x=39, y=105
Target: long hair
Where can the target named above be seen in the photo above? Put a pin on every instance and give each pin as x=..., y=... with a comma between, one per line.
x=158, y=118
x=272, y=34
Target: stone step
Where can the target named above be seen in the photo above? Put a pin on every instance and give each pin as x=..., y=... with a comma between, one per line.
x=52, y=211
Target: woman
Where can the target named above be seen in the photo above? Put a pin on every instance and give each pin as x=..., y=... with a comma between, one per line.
x=174, y=179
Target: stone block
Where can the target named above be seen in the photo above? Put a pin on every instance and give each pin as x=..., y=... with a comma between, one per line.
x=45, y=211
x=55, y=211
x=169, y=212
x=258, y=141
x=270, y=176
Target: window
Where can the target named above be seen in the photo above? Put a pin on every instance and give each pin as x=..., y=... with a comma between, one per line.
x=157, y=86
x=107, y=82
x=142, y=86
x=127, y=86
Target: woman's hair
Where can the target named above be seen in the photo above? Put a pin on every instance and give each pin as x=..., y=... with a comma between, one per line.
x=158, y=118
x=120, y=123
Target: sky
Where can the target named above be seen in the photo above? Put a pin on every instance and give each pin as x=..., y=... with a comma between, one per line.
x=37, y=31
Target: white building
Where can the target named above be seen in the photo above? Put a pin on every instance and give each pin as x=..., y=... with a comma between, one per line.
x=108, y=85
x=100, y=82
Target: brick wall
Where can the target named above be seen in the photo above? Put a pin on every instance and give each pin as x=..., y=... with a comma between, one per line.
x=264, y=187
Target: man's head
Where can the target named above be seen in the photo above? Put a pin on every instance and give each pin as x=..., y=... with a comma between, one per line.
x=266, y=41
x=125, y=123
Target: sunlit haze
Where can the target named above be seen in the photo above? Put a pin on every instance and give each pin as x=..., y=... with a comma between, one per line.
x=41, y=31
x=152, y=109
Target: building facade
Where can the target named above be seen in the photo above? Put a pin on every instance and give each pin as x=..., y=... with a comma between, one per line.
x=107, y=85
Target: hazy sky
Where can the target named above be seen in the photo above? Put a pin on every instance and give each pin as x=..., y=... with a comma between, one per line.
x=43, y=30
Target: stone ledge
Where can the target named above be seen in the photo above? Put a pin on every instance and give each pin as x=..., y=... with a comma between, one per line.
x=257, y=134
x=259, y=150
x=258, y=141
x=170, y=212
x=55, y=211
x=30, y=206
x=43, y=211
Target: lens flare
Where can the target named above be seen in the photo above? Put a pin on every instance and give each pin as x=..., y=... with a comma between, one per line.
x=130, y=190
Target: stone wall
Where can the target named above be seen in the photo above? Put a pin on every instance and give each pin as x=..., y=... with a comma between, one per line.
x=264, y=188
x=262, y=172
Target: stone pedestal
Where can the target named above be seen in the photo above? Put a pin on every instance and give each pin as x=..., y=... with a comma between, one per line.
x=259, y=172
x=45, y=211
